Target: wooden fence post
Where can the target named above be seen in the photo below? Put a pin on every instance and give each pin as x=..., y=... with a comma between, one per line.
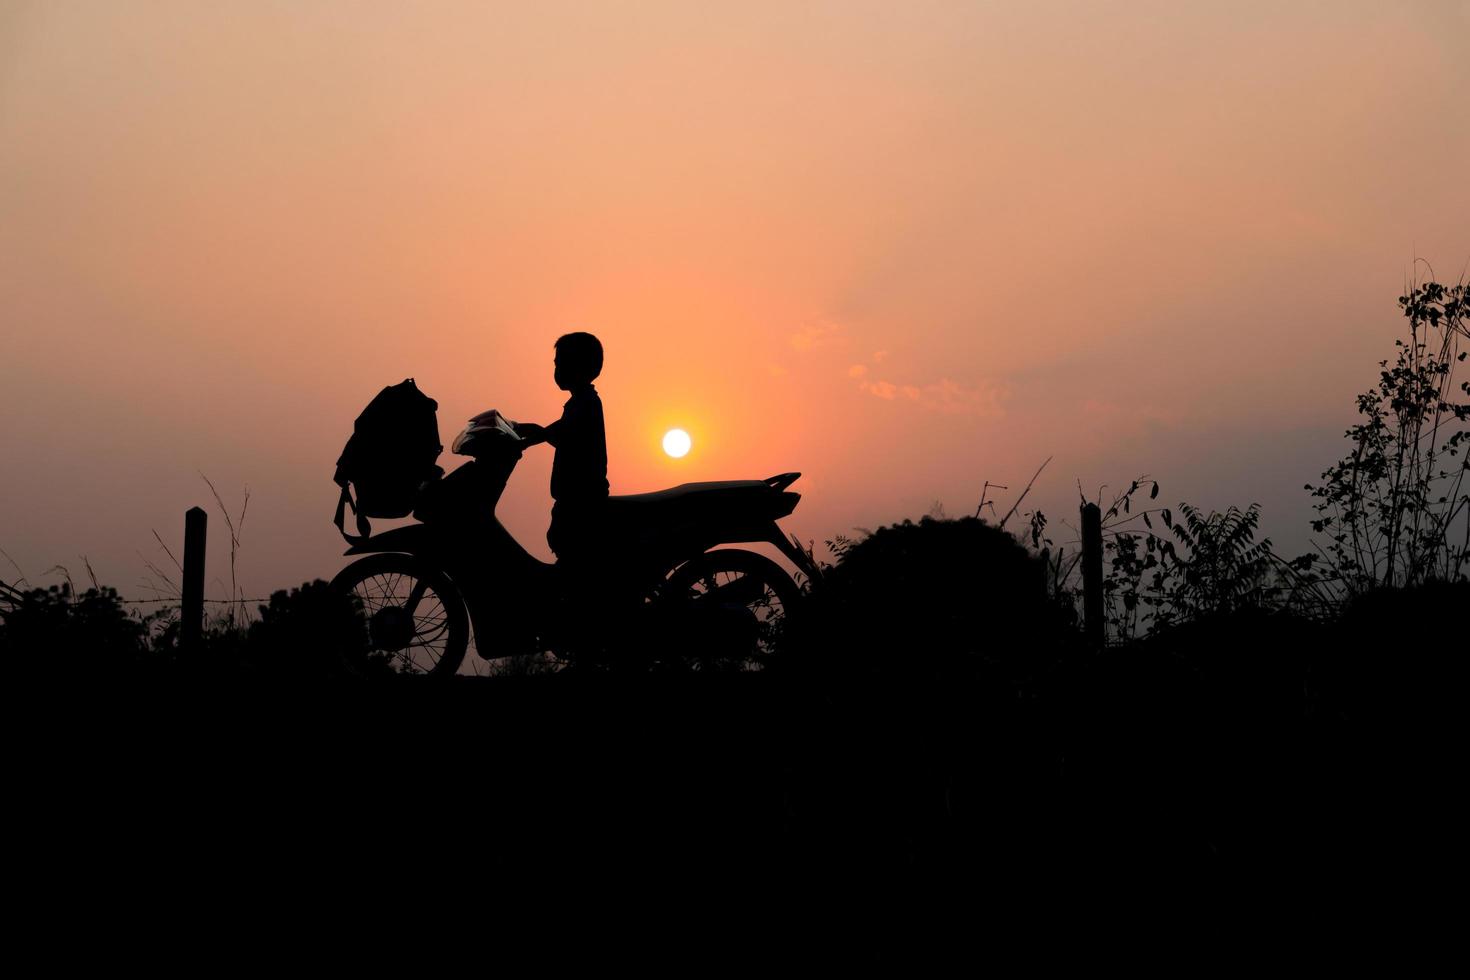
x=191, y=620
x=1092, y=575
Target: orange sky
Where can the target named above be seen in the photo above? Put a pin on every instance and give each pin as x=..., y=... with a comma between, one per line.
x=902, y=247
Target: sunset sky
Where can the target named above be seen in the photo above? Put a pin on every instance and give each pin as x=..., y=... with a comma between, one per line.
x=903, y=247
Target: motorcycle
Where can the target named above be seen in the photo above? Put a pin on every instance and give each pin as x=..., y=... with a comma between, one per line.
x=423, y=587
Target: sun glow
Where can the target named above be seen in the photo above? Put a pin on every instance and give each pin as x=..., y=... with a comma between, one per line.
x=676, y=442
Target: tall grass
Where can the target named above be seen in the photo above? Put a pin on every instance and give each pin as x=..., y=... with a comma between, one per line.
x=235, y=527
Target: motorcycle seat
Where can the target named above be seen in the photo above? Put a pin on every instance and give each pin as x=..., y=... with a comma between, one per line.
x=687, y=502
x=687, y=493
x=727, y=506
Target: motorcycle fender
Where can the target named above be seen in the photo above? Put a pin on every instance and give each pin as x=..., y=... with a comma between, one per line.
x=413, y=539
x=771, y=533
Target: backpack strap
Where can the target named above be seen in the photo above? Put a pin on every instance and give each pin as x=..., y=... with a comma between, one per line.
x=364, y=529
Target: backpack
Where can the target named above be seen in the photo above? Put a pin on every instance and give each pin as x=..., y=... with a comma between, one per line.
x=390, y=457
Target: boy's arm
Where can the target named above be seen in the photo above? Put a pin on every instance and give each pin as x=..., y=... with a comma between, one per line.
x=531, y=433
x=572, y=427
x=568, y=429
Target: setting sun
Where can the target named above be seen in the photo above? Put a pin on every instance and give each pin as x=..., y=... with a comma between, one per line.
x=676, y=442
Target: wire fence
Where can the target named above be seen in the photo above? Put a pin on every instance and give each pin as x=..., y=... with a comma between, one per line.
x=12, y=597
x=178, y=600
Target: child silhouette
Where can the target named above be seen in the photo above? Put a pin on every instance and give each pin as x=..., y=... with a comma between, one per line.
x=579, y=469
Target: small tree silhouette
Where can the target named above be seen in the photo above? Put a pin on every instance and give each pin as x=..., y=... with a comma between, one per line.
x=1226, y=569
x=1395, y=509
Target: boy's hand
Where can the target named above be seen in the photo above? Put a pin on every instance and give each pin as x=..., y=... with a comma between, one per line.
x=530, y=431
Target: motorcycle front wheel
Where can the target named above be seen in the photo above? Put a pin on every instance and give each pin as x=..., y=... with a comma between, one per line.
x=415, y=616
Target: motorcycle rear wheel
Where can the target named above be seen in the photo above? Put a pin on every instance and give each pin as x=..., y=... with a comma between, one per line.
x=415, y=615
x=759, y=586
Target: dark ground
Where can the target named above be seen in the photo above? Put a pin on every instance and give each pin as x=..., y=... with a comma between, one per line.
x=721, y=778
x=1256, y=754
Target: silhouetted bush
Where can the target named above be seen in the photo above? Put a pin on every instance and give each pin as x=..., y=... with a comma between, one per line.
x=308, y=633
x=311, y=632
x=56, y=632
x=1254, y=661
x=946, y=598
x=1397, y=655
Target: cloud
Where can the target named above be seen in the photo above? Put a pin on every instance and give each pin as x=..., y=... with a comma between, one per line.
x=945, y=396
x=952, y=397
x=815, y=335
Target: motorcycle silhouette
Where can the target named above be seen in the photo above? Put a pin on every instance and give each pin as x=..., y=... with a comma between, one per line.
x=422, y=587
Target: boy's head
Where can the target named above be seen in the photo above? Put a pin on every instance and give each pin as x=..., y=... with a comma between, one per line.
x=578, y=360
